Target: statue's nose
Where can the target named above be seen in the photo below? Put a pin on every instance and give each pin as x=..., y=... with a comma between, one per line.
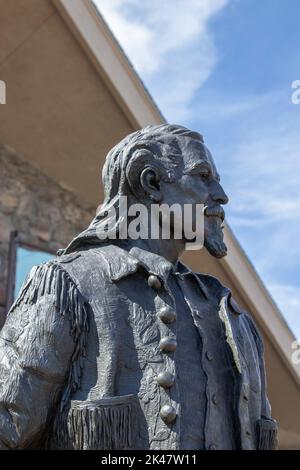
x=219, y=194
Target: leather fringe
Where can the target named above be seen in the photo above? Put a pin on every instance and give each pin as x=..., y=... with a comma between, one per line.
x=267, y=434
x=95, y=427
x=51, y=278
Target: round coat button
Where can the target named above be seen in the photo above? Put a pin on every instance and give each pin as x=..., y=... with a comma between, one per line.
x=154, y=282
x=214, y=399
x=165, y=379
x=168, y=344
x=167, y=314
x=168, y=413
x=209, y=355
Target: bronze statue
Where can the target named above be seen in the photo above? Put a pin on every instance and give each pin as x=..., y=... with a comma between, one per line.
x=116, y=344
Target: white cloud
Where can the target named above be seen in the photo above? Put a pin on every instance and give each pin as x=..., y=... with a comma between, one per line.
x=265, y=175
x=169, y=44
x=219, y=107
x=265, y=171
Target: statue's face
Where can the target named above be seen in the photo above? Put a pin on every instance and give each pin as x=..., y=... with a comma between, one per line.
x=200, y=184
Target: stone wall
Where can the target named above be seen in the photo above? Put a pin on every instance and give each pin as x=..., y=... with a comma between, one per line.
x=43, y=213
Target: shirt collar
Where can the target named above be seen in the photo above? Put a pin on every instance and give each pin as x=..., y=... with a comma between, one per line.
x=183, y=271
x=153, y=263
x=122, y=262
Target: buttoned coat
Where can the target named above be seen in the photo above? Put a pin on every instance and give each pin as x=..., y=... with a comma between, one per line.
x=84, y=344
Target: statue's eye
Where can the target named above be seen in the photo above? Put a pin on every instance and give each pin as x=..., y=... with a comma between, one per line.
x=204, y=175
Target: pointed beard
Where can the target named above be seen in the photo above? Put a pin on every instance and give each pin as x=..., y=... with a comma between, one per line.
x=213, y=238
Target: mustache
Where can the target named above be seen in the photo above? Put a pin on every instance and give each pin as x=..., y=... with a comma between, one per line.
x=214, y=211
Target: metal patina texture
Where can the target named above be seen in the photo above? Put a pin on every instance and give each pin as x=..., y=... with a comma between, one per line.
x=116, y=344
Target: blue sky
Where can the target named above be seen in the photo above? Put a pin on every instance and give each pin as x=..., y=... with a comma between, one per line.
x=225, y=68
x=26, y=259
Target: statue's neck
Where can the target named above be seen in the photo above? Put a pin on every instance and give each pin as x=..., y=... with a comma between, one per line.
x=171, y=250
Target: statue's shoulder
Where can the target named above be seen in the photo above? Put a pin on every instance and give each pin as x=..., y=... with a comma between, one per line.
x=218, y=290
x=243, y=318
x=108, y=262
x=88, y=256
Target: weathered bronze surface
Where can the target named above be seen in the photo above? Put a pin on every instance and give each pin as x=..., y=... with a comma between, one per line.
x=116, y=344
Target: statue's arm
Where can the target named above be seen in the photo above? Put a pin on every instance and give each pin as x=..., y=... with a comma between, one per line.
x=266, y=426
x=36, y=348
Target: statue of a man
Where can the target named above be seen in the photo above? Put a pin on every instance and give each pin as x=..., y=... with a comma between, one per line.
x=116, y=344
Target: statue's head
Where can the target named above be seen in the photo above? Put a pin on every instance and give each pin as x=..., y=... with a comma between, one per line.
x=166, y=164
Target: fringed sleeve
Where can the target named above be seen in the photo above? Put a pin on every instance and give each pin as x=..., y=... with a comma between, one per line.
x=42, y=345
x=266, y=427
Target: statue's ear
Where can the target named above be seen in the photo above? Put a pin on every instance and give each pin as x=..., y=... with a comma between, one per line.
x=150, y=182
x=143, y=175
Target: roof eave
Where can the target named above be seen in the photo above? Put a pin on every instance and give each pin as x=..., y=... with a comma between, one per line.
x=112, y=64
